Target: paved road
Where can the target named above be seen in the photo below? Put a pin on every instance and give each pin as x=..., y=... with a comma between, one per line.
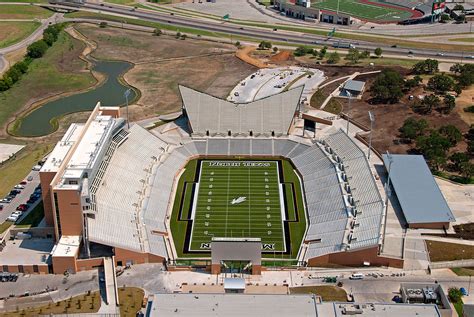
x=254, y=32
x=27, y=41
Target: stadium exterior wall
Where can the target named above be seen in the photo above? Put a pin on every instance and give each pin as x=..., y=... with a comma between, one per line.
x=429, y=225
x=70, y=212
x=89, y=264
x=62, y=264
x=127, y=256
x=26, y=269
x=356, y=258
x=45, y=180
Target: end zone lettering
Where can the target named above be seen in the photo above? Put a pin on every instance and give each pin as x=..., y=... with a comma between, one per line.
x=224, y=164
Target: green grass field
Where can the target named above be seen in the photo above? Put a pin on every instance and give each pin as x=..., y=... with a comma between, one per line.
x=13, y=11
x=12, y=32
x=243, y=182
x=361, y=10
x=238, y=199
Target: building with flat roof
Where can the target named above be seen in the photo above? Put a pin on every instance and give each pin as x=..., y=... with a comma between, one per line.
x=164, y=305
x=421, y=200
x=353, y=88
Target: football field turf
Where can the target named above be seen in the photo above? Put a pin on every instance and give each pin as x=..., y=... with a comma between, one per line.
x=367, y=11
x=238, y=199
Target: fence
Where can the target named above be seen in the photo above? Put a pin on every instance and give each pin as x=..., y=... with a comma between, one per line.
x=451, y=264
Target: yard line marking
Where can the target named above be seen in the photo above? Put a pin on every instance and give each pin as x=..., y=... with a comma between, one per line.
x=227, y=205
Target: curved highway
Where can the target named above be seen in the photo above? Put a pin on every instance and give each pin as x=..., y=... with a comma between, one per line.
x=254, y=32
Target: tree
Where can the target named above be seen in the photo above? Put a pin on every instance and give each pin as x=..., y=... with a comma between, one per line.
x=49, y=38
x=467, y=170
x=353, y=55
x=178, y=35
x=275, y=49
x=458, y=7
x=378, y=52
x=183, y=36
x=428, y=66
x=323, y=52
x=413, y=82
x=157, y=32
x=412, y=128
x=265, y=45
x=365, y=54
x=441, y=83
x=333, y=58
x=4, y=85
x=466, y=75
x=458, y=160
x=303, y=50
x=387, y=86
x=237, y=44
x=449, y=103
x=444, y=18
x=434, y=147
x=37, y=49
x=454, y=294
x=456, y=68
x=426, y=105
x=103, y=24
x=451, y=133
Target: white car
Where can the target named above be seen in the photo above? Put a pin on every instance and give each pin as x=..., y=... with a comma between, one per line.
x=14, y=217
x=356, y=276
x=19, y=186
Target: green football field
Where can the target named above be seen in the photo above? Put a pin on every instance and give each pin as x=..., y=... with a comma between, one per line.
x=366, y=11
x=238, y=199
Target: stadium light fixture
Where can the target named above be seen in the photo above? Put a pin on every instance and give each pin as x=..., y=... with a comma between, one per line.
x=126, y=94
x=372, y=119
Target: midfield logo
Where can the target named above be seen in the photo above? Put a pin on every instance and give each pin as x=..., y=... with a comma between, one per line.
x=268, y=246
x=238, y=200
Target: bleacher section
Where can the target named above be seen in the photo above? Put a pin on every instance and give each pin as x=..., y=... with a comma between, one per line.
x=212, y=116
x=132, y=193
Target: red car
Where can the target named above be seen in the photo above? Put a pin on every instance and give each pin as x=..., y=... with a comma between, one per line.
x=22, y=207
x=23, y=182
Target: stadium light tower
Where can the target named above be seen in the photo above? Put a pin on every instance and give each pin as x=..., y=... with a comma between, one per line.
x=372, y=119
x=126, y=94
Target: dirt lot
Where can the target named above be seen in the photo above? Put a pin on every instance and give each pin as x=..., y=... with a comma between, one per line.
x=161, y=63
x=443, y=251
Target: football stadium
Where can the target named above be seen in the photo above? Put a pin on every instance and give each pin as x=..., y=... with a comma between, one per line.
x=219, y=185
x=346, y=12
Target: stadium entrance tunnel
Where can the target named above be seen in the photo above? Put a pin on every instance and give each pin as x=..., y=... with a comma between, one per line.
x=238, y=198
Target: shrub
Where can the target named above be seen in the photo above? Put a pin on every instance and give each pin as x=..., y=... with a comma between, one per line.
x=37, y=49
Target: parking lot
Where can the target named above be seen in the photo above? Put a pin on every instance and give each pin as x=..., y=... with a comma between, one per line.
x=21, y=198
x=271, y=81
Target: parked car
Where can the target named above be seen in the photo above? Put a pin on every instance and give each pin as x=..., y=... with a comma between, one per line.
x=13, y=217
x=6, y=200
x=356, y=276
x=1, y=207
x=15, y=192
x=30, y=178
x=22, y=207
x=23, y=182
x=36, y=168
x=19, y=186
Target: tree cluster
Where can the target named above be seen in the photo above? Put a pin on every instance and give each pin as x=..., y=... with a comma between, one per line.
x=428, y=66
x=264, y=45
x=434, y=145
x=464, y=74
x=34, y=50
x=354, y=55
x=387, y=87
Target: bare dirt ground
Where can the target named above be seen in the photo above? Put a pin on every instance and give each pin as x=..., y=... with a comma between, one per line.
x=161, y=63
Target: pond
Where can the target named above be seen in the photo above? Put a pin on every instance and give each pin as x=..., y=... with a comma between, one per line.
x=110, y=93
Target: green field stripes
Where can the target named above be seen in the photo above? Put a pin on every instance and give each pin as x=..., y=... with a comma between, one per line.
x=363, y=10
x=253, y=186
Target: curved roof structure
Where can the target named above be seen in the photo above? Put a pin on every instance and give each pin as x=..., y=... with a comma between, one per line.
x=209, y=114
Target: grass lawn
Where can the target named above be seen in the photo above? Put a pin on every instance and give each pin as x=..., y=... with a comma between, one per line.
x=33, y=218
x=12, y=11
x=61, y=66
x=86, y=303
x=333, y=106
x=4, y=226
x=329, y=293
x=443, y=251
x=131, y=300
x=463, y=39
x=13, y=32
x=124, y=2
x=17, y=169
x=463, y=271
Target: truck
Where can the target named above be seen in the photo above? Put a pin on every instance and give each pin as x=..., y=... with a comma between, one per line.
x=343, y=45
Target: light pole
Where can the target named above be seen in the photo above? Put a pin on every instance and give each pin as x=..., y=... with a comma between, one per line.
x=387, y=184
x=372, y=119
x=348, y=109
x=126, y=94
